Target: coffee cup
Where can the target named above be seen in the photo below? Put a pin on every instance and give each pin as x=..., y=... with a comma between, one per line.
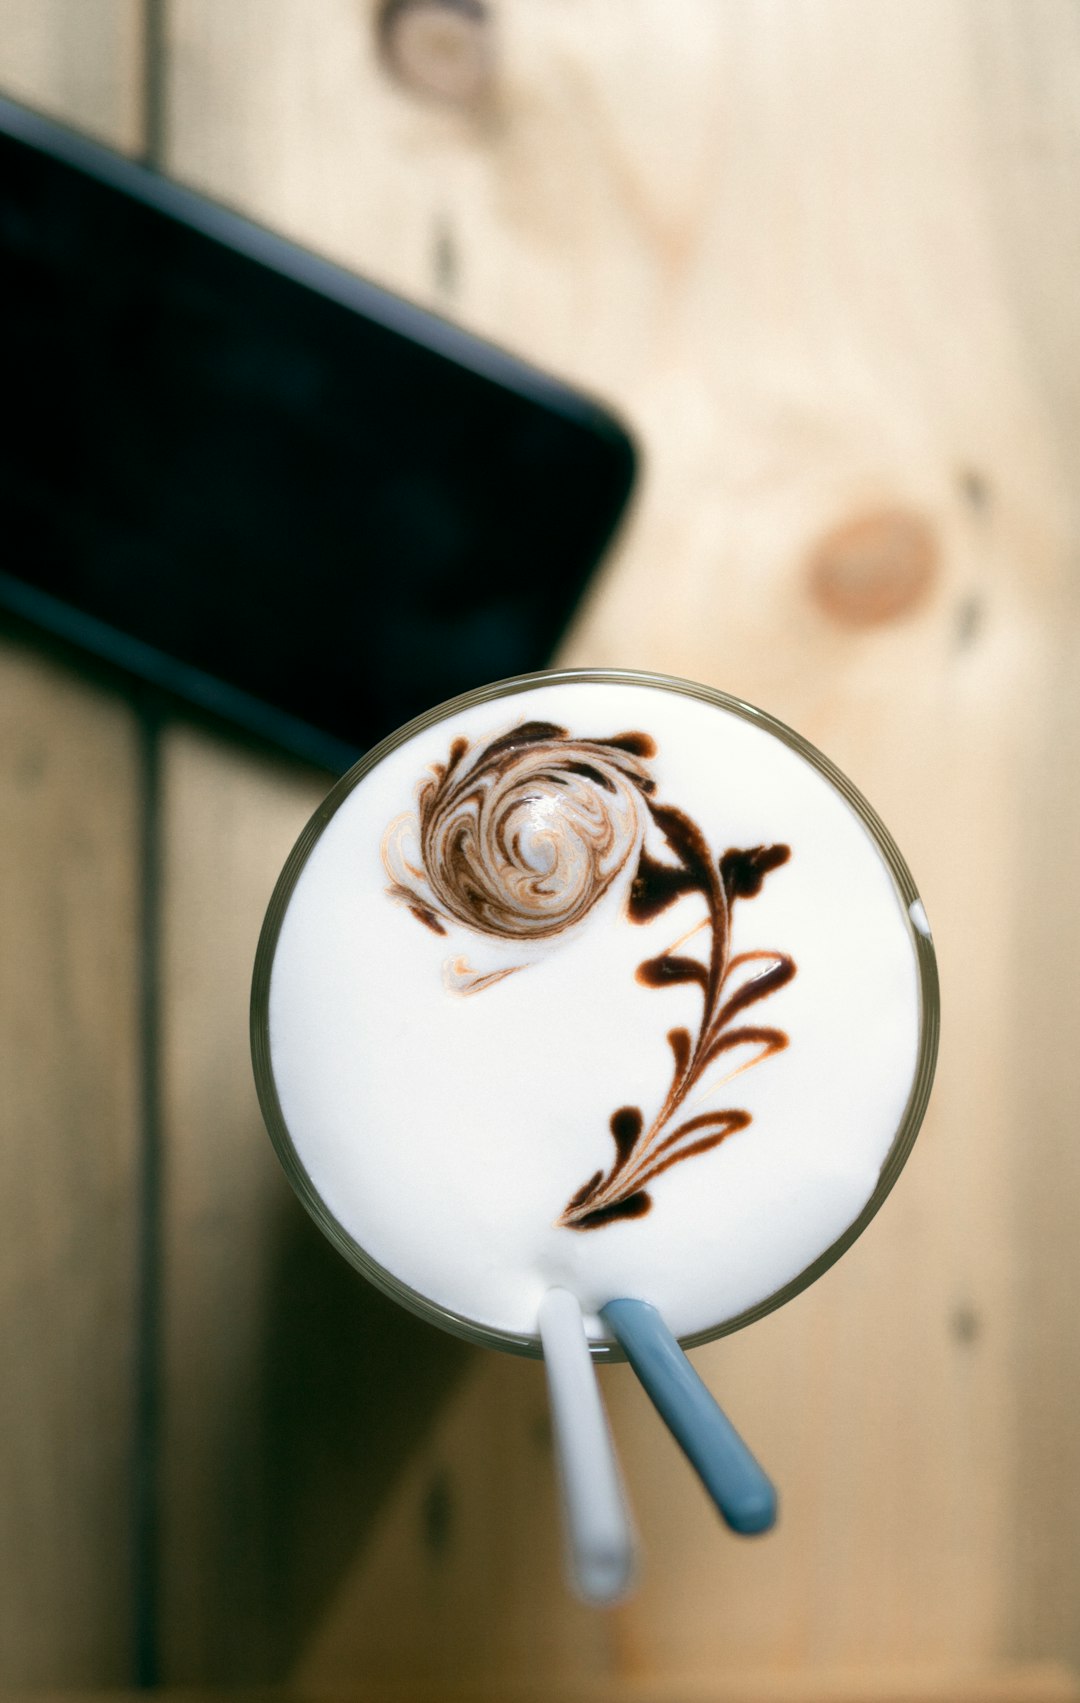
x=599, y=981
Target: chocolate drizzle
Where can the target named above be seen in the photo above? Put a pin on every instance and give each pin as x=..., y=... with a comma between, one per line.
x=519, y=840
x=729, y=985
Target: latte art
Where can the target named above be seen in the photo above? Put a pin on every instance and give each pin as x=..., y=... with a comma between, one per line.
x=521, y=839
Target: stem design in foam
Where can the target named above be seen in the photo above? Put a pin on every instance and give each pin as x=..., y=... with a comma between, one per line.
x=518, y=840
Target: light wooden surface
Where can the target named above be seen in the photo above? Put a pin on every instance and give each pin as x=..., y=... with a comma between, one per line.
x=824, y=260
x=70, y=915
x=1007, y=1682
x=80, y=61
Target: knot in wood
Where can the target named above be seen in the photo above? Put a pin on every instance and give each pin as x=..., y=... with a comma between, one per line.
x=440, y=49
x=875, y=568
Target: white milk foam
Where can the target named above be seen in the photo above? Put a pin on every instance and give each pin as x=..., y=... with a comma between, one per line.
x=448, y=1131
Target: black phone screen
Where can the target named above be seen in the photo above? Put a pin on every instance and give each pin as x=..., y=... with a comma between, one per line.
x=261, y=482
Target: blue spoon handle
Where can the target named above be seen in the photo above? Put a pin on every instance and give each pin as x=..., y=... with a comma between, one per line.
x=743, y=1494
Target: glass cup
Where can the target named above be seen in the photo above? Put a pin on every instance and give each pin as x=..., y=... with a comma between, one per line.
x=376, y=818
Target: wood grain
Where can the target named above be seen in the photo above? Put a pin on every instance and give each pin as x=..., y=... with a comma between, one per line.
x=227, y=825
x=470, y=1540
x=70, y=912
x=275, y=1457
x=78, y=60
x=1007, y=1682
x=1033, y=157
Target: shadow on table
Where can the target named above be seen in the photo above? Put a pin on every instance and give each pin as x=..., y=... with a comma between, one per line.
x=346, y=1385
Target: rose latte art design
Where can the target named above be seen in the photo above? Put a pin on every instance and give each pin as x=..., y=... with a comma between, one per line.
x=518, y=840
x=521, y=841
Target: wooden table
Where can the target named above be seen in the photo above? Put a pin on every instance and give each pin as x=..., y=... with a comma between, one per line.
x=826, y=259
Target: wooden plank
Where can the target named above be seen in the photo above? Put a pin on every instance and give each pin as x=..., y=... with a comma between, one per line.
x=776, y=240
x=293, y=1394
x=1032, y=155
x=78, y=60
x=227, y=825
x=887, y=1400
x=1035, y=1682
x=470, y=1540
x=70, y=912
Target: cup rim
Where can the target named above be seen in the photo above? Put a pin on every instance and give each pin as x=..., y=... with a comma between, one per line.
x=911, y=905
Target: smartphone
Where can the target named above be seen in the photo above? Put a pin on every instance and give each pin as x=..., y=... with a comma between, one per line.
x=270, y=488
